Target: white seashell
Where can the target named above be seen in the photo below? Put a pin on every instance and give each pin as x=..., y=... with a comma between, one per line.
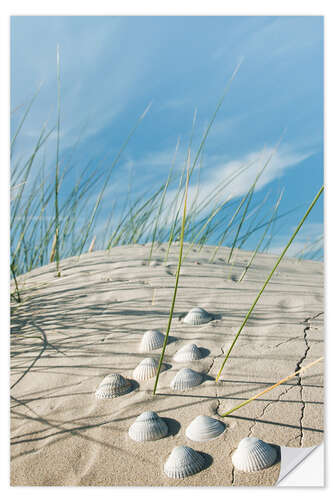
x=184, y=461
x=146, y=369
x=197, y=316
x=112, y=386
x=184, y=379
x=252, y=455
x=189, y=352
x=152, y=339
x=204, y=428
x=148, y=427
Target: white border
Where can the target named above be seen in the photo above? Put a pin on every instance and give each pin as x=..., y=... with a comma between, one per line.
x=126, y=7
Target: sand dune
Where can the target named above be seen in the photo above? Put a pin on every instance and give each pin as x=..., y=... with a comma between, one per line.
x=70, y=332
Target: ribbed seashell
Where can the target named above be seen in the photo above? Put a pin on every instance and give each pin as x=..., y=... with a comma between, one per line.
x=152, y=339
x=197, y=316
x=146, y=369
x=148, y=427
x=189, y=352
x=112, y=386
x=183, y=461
x=184, y=379
x=252, y=455
x=204, y=428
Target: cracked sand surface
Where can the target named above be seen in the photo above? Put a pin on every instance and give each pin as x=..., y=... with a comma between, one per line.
x=72, y=331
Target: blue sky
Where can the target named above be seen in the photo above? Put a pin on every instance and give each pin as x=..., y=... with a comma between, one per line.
x=113, y=67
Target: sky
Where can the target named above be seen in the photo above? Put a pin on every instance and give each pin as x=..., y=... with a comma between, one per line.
x=112, y=68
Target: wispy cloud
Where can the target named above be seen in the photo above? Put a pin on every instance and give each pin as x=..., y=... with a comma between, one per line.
x=217, y=172
x=308, y=239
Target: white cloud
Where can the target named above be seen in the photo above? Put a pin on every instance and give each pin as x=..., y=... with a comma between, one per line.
x=308, y=239
x=217, y=172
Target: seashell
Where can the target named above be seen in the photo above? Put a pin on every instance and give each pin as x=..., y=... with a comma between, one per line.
x=189, y=352
x=146, y=369
x=204, y=428
x=112, y=386
x=148, y=427
x=184, y=379
x=152, y=339
x=183, y=461
x=252, y=455
x=197, y=316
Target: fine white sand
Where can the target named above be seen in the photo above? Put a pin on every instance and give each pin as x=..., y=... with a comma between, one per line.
x=69, y=332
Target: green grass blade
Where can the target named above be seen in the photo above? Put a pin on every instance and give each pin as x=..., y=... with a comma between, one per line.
x=177, y=279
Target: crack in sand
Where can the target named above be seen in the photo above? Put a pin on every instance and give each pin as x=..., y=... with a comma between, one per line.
x=299, y=377
x=299, y=383
x=266, y=408
x=285, y=342
x=233, y=476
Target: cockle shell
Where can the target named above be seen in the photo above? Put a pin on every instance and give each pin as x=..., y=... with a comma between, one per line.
x=148, y=427
x=152, y=339
x=204, y=428
x=112, y=386
x=252, y=455
x=146, y=369
x=185, y=378
x=189, y=352
x=183, y=461
x=197, y=316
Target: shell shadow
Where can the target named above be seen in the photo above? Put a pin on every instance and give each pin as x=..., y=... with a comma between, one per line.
x=278, y=452
x=165, y=367
x=216, y=316
x=134, y=385
x=208, y=460
x=173, y=426
x=171, y=339
x=204, y=352
x=206, y=377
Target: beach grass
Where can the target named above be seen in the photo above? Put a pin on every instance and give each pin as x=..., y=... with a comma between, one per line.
x=181, y=245
x=248, y=314
x=54, y=217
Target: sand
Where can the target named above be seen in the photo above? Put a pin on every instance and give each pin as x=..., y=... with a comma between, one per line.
x=70, y=332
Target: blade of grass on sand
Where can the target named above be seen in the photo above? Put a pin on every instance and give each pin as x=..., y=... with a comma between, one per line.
x=269, y=277
x=272, y=387
x=181, y=244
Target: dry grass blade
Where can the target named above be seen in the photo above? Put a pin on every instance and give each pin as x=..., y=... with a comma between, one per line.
x=272, y=387
x=92, y=244
x=54, y=244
